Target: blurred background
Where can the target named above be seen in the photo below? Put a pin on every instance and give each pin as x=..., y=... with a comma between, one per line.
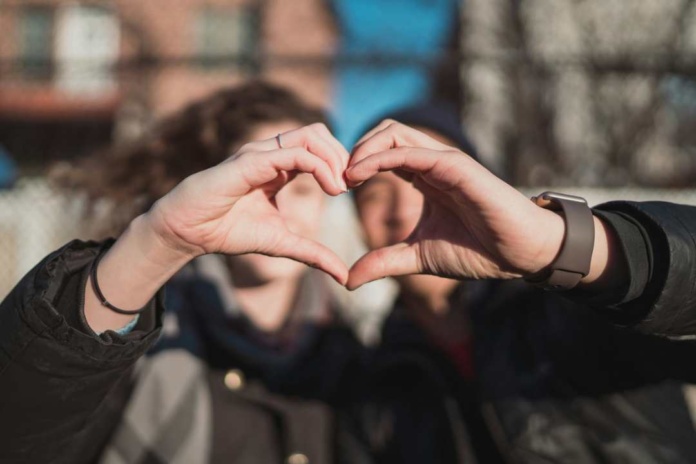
x=595, y=97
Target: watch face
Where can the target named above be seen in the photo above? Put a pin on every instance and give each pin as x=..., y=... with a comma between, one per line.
x=552, y=200
x=547, y=200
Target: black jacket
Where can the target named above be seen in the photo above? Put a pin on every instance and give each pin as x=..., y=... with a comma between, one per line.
x=562, y=382
x=561, y=377
x=285, y=383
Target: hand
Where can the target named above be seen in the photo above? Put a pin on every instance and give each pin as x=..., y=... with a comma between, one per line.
x=230, y=208
x=473, y=225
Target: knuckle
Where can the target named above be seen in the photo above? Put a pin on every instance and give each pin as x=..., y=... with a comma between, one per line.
x=244, y=160
x=247, y=147
x=295, y=152
x=460, y=155
x=309, y=129
x=234, y=158
x=319, y=127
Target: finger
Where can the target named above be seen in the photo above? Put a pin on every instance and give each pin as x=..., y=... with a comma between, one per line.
x=313, y=254
x=378, y=128
x=392, y=134
x=442, y=165
x=301, y=160
x=316, y=139
x=395, y=260
x=273, y=187
x=257, y=171
x=340, y=150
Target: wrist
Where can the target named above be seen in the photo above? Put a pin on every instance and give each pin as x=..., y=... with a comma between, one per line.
x=601, y=262
x=573, y=260
x=130, y=274
x=552, y=234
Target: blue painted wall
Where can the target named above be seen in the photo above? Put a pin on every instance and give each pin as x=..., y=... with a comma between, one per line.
x=8, y=169
x=413, y=28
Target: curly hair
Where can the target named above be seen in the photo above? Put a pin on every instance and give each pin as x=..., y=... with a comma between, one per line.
x=129, y=179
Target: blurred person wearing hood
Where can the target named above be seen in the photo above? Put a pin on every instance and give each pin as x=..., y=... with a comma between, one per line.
x=541, y=378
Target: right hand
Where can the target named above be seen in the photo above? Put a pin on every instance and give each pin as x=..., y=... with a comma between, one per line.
x=230, y=208
x=473, y=225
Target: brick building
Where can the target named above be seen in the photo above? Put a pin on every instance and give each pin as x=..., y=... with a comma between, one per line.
x=79, y=72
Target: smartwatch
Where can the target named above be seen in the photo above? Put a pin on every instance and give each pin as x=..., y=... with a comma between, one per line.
x=573, y=260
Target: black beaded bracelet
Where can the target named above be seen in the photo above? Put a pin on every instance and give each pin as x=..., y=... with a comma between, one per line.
x=100, y=295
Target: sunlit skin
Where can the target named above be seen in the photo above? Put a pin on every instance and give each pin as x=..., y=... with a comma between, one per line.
x=301, y=204
x=389, y=208
x=229, y=209
x=265, y=286
x=474, y=226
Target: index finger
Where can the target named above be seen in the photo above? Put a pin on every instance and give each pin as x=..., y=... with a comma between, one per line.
x=443, y=167
x=316, y=139
x=392, y=134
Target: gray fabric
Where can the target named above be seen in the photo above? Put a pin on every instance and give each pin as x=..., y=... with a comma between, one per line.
x=168, y=418
x=584, y=431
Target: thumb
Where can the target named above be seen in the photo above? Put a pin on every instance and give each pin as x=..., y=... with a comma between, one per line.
x=313, y=254
x=399, y=259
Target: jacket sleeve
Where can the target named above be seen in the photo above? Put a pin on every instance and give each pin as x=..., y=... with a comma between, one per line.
x=666, y=303
x=62, y=387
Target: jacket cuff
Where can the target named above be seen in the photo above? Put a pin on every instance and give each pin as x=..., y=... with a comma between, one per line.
x=75, y=314
x=667, y=304
x=47, y=304
x=637, y=256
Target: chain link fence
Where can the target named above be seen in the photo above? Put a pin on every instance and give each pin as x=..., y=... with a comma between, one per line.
x=33, y=221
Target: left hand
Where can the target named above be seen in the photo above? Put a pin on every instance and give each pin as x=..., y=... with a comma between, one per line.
x=230, y=208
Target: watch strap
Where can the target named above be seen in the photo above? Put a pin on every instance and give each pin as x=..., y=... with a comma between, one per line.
x=573, y=260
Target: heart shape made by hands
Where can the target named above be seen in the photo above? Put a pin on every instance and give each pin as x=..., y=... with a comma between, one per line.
x=472, y=224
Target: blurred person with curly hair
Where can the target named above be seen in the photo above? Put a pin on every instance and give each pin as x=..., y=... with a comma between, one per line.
x=251, y=348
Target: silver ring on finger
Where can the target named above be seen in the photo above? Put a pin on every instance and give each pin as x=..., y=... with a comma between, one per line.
x=280, y=144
